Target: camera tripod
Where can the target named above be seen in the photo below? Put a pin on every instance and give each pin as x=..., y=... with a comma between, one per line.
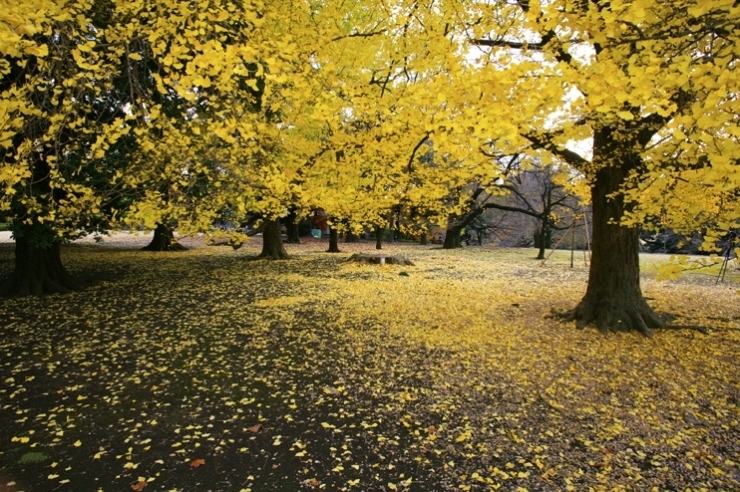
x=728, y=254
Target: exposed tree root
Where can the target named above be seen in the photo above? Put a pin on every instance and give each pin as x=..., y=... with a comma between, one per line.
x=163, y=240
x=40, y=271
x=270, y=256
x=607, y=316
x=169, y=247
x=701, y=329
x=225, y=241
x=655, y=321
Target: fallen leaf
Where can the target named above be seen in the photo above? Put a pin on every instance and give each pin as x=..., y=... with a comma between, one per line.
x=197, y=462
x=140, y=485
x=255, y=428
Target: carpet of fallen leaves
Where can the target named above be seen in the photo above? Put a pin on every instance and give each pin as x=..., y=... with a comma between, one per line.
x=202, y=371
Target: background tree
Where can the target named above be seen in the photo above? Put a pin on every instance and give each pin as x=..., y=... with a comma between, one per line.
x=543, y=193
x=627, y=76
x=489, y=225
x=56, y=102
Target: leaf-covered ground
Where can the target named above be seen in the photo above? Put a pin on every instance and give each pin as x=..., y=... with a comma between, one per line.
x=202, y=371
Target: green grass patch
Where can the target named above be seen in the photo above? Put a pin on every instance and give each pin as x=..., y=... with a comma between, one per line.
x=33, y=457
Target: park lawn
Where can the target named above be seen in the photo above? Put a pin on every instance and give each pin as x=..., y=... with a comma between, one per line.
x=202, y=371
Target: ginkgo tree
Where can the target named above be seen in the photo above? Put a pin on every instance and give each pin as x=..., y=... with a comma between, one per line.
x=146, y=99
x=652, y=86
x=234, y=145
x=395, y=72
x=192, y=108
x=54, y=105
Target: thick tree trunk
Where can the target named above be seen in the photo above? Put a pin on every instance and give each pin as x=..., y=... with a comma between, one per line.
x=333, y=241
x=613, y=299
x=541, y=253
x=541, y=242
x=378, y=237
x=38, y=271
x=163, y=240
x=423, y=240
x=543, y=238
x=292, y=229
x=452, y=238
x=272, y=241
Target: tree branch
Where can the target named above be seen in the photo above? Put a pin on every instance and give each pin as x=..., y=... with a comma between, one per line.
x=413, y=153
x=544, y=143
x=560, y=53
x=360, y=35
x=512, y=209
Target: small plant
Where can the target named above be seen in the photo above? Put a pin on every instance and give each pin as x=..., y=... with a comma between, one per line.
x=33, y=457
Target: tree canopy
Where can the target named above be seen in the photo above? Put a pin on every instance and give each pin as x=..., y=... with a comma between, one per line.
x=147, y=112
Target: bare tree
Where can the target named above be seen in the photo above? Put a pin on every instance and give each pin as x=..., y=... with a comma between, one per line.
x=532, y=192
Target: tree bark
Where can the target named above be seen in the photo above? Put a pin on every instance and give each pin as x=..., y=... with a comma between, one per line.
x=333, y=241
x=423, y=239
x=378, y=237
x=452, y=237
x=543, y=240
x=541, y=252
x=163, y=240
x=272, y=241
x=292, y=229
x=38, y=270
x=613, y=299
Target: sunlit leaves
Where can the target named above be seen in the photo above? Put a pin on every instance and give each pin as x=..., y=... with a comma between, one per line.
x=665, y=71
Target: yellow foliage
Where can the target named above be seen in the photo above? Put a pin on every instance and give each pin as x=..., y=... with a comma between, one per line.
x=191, y=111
